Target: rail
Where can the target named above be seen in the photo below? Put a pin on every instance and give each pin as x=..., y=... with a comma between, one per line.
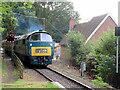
x=66, y=81
x=19, y=65
x=69, y=78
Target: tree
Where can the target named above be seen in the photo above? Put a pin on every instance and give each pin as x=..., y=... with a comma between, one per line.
x=57, y=16
x=8, y=21
x=1, y=29
x=24, y=12
x=77, y=47
x=9, y=10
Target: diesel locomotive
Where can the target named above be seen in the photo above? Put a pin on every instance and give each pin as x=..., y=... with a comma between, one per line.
x=36, y=48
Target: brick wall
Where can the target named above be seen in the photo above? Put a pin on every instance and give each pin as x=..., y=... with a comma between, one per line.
x=109, y=24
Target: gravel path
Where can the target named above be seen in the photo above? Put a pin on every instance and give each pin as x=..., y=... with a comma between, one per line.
x=31, y=75
x=10, y=77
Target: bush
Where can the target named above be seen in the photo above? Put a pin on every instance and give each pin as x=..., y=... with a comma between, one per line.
x=105, y=57
x=106, y=67
x=77, y=48
x=106, y=44
x=99, y=82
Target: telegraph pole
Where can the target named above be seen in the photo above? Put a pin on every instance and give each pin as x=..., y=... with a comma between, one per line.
x=117, y=34
x=117, y=55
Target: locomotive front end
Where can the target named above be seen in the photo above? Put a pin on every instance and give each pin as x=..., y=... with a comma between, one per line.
x=40, y=49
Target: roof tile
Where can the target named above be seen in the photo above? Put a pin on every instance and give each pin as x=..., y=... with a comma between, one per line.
x=87, y=28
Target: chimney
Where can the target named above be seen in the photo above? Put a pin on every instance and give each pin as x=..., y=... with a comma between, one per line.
x=72, y=22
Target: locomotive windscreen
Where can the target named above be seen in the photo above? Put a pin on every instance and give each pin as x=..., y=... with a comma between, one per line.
x=46, y=37
x=41, y=37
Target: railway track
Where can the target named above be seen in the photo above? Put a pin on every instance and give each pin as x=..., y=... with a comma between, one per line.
x=67, y=82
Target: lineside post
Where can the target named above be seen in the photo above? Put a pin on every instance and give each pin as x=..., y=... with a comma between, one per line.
x=117, y=51
x=117, y=34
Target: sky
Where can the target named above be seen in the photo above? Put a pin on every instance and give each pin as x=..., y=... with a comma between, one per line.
x=90, y=8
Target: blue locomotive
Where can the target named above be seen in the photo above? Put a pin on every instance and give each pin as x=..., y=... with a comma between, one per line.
x=36, y=48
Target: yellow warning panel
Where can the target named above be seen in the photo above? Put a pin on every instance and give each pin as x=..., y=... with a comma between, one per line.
x=41, y=51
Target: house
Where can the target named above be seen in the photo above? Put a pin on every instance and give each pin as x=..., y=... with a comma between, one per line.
x=92, y=29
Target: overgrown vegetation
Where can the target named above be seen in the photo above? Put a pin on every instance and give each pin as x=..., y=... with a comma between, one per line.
x=77, y=47
x=99, y=82
x=100, y=59
x=104, y=58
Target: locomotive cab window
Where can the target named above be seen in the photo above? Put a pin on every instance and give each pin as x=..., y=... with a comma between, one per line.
x=46, y=37
x=41, y=37
x=35, y=37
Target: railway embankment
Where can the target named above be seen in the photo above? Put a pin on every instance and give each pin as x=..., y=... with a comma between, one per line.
x=11, y=79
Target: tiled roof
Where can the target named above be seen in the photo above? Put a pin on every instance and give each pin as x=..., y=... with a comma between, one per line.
x=87, y=28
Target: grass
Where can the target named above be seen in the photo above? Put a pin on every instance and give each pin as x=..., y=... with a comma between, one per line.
x=25, y=84
x=4, y=69
x=99, y=82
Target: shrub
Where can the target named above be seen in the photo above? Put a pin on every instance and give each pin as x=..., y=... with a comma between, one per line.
x=77, y=48
x=106, y=67
x=105, y=57
x=106, y=44
x=99, y=82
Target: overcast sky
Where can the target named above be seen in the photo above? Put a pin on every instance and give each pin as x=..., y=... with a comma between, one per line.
x=90, y=8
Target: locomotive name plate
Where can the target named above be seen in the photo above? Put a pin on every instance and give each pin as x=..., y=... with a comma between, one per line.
x=41, y=51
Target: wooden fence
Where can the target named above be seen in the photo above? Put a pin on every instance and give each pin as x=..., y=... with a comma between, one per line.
x=19, y=65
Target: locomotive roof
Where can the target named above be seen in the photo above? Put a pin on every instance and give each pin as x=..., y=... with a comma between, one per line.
x=27, y=35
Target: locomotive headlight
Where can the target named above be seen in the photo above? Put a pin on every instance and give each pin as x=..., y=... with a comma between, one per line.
x=51, y=44
x=44, y=50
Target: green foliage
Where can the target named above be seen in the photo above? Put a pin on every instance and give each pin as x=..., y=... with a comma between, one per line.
x=4, y=69
x=106, y=67
x=25, y=9
x=104, y=53
x=8, y=21
x=27, y=85
x=77, y=47
x=107, y=44
x=99, y=82
x=8, y=10
x=57, y=15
